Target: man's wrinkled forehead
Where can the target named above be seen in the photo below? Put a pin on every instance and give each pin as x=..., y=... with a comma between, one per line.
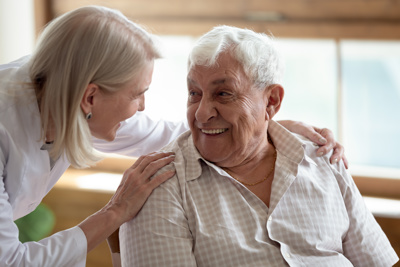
x=216, y=81
x=228, y=71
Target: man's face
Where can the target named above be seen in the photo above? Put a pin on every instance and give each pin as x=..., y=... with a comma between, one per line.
x=226, y=114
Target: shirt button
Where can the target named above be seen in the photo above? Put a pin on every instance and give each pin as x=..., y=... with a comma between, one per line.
x=287, y=255
x=270, y=218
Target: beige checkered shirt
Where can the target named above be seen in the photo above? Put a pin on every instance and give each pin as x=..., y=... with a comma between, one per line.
x=204, y=217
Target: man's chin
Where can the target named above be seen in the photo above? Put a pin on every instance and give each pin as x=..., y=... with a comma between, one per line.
x=212, y=157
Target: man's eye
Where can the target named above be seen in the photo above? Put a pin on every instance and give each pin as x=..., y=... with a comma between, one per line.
x=224, y=94
x=194, y=96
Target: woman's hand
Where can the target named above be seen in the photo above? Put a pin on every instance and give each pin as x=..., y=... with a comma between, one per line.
x=132, y=193
x=136, y=185
x=323, y=137
x=338, y=149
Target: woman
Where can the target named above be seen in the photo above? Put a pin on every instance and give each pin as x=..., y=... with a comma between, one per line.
x=75, y=94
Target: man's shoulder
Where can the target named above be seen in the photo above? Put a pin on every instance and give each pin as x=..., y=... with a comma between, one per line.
x=179, y=144
x=185, y=152
x=187, y=166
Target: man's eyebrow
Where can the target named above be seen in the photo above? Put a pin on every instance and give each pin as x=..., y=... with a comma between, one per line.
x=219, y=81
x=191, y=81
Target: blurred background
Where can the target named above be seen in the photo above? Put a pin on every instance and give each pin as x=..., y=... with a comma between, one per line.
x=342, y=62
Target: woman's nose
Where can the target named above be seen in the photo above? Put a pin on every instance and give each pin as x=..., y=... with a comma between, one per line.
x=141, y=103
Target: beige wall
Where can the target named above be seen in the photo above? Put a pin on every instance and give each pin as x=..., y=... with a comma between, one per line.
x=16, y=29
x=372, y=19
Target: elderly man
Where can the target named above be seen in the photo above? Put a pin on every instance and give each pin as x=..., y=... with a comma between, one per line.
x=246, y=191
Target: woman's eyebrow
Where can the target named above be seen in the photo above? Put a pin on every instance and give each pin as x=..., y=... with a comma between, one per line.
x=143, y=91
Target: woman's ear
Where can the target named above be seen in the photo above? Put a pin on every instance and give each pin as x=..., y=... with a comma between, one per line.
x=274, y=94
x=88, y=98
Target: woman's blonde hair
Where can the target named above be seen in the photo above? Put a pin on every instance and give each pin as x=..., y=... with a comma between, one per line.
x=88, y=45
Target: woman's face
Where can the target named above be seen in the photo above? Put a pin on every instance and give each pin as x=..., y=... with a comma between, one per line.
x=226, y=114
x=109, y=110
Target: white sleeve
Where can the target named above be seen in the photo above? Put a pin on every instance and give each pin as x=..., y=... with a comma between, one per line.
x=66, y=248
x=141, y=135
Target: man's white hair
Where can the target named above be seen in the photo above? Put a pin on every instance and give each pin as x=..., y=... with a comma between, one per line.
x=255, y=51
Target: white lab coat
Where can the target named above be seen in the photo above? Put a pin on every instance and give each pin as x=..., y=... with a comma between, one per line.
x=26, y=176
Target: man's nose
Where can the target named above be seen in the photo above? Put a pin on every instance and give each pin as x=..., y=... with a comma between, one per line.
x=206, y=110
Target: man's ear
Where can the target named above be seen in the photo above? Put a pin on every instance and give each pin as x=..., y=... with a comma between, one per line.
x=87, y=101
x=274, y=95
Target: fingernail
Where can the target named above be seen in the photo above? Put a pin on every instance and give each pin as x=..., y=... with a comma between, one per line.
x=319, y=154
x=322, y=140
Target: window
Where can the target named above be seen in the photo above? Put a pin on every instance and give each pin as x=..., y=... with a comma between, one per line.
x=167, y=96
x=310, y=82
x=371, y=102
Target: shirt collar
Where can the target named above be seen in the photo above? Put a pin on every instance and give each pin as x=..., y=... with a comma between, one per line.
x=194, y=160
x=290, y=145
